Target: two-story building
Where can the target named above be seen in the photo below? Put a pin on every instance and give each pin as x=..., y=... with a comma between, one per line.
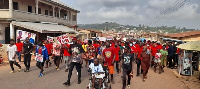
x=42, y=17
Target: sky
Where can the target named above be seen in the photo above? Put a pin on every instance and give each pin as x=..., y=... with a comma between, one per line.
x=134, y=12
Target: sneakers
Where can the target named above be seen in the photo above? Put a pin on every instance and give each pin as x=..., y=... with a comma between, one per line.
x=79, y=82
x=41, y=74
x=57, y=69
x=66, y=70
x=19, y=70
x=66, y=83
x=129, y=86
x=26, y=70
x=11, y=71
x=46, y=66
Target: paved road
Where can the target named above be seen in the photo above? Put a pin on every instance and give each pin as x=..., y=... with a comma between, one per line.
x=54, y=79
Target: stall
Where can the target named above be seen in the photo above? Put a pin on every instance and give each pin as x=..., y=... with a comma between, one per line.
x=189, y=58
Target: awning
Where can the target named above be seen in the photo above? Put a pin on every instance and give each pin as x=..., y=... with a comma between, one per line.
x=44, y=27
x=194, y=46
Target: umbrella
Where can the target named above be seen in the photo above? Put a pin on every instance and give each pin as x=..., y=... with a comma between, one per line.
x=194, y=45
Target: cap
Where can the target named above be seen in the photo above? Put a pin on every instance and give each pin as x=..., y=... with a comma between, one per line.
x=158, y=41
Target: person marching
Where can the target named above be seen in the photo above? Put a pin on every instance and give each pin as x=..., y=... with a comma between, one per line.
x=49, y=50
x=117, y=50
x=57, y=54
x=41, y=57
x=19, y=45
x=109, y=56
x=127, y=65
x=27, y=49
x=91, y=52
x=66, y=55
x=11, y=53
x=157, y=61
x=145, y=62
x=76, y=51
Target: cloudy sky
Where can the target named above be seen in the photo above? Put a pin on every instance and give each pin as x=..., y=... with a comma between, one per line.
x=135, y=12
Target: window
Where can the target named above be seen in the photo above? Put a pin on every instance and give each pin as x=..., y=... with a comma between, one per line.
x=4, y=4
x=15, y=6
x=51, y=13
x=39, y=11
x=46, y=12
x=74, y=17
x=30, y=9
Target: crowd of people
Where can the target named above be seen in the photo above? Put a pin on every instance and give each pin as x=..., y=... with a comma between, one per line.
x=115, y=54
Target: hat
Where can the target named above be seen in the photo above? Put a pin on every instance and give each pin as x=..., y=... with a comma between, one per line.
x=158, y=41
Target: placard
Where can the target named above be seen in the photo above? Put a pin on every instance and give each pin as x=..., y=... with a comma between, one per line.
x=39, y=57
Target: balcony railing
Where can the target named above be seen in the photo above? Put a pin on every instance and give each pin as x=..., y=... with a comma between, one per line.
x=27, y=16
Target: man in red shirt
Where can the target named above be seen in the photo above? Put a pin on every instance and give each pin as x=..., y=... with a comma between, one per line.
x=153, y=52
x=66, y=55
x=138, y=60
x=19, y=45
x=117, y=50
x=49, y=50
x=109, y=55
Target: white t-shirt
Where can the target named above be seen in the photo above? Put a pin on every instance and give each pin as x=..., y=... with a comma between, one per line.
x=96, y=69
x=11, y=52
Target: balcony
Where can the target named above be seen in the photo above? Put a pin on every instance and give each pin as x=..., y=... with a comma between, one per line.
x=27, y=16
x=4, y=14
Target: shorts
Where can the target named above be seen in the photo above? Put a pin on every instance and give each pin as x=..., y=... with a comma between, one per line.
x=157, y=60
x=98, y=76
x=57, y=58
x=39, y=64
x=111, y=69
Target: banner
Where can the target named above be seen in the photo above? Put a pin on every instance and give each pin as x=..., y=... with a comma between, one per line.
x=23, y=34
x=63, y=39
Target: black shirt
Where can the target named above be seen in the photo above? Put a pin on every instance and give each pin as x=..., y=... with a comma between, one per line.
x=27, y=47
x=76, y=48
x=127, y=61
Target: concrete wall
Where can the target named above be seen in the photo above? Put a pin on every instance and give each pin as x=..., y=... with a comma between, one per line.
x=4, y=13
x=2, y=35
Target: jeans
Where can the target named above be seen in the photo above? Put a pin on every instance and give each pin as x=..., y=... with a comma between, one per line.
x=67, y=61
x=171, y=57
x=27, y=61
x=19, y=56
x=78, y=68
x=14, y=62
x=126, y=73
x=138, y=66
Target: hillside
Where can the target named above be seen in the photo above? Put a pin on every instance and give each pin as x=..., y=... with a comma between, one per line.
x=118, y=27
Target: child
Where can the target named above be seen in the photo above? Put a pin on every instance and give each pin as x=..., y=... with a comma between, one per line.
x=97, y=69
x=41, y=56
x=12, y=52
x=127, y=65
x=157, y=61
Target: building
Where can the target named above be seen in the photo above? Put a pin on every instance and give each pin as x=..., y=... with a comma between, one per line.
x=184, y=36
x=89, y=33
x=42, y=17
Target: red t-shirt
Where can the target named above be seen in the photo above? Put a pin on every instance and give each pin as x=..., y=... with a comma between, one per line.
x=116, y=50
x=49, y=47
x=139, y=49
x=108, y=53
x=159, y=47
x=153, y=50
x=133, y=49
x=95, y=46
x=0, y=45
x=66, y=53
x=19, y=46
